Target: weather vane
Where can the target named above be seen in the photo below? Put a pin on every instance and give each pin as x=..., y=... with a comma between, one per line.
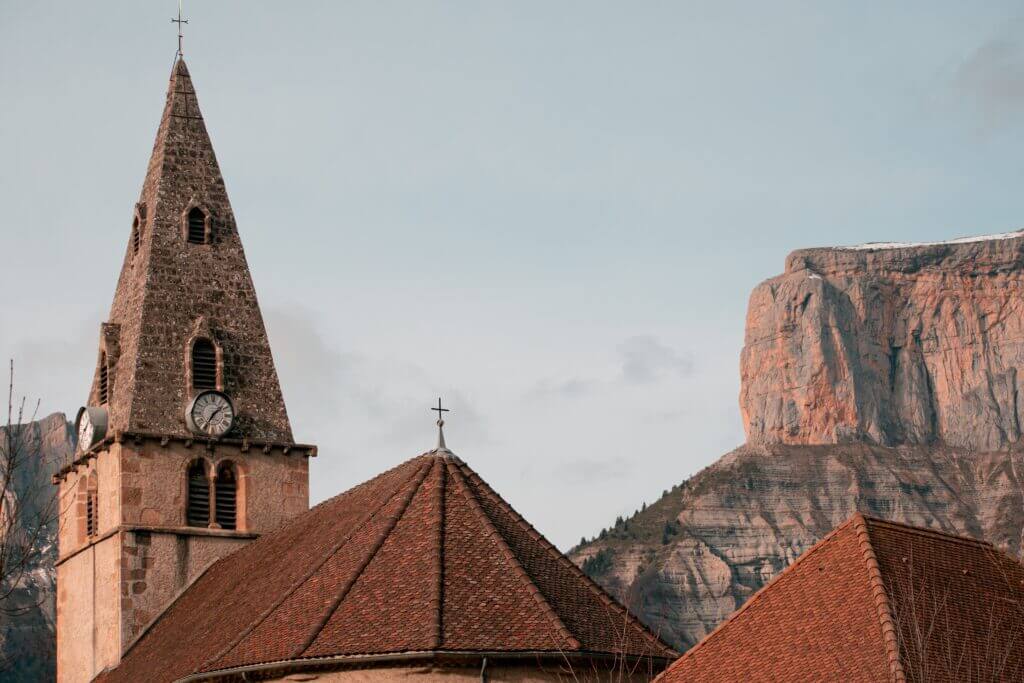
x=179, y=21
x=440, y=425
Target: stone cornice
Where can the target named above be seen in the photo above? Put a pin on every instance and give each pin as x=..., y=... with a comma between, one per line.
x=156, y=529
x=244, y=445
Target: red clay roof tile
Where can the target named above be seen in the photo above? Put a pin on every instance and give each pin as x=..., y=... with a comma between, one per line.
x=423, y=558
x=875, y=601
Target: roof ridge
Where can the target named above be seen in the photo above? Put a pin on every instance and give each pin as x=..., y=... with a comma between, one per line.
x=881, y=598
x=365, y=484
x=220, y=654
x=510, y=556
x=392, y=522
x=442, y=492
x=759, y=594
x=923, y=531
x=602, y=595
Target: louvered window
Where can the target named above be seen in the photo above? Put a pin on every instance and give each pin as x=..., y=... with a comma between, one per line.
x=91, y=512
x=103, y=379
x=197, y=226
x=226, y=495
x=198, y=512
x=136, y=237
x=204, y=365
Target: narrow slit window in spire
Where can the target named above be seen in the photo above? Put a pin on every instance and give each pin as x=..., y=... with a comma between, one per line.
x=136, y=235
x=104, y=391
x=197, y=226
x=204, y=366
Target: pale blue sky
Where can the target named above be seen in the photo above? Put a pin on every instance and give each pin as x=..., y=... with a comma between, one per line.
x=550, y=213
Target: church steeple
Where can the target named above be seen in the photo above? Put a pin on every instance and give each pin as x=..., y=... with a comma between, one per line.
x=184, y=451
x=184, y=268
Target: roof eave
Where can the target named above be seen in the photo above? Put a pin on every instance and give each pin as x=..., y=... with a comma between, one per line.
x=628, y=662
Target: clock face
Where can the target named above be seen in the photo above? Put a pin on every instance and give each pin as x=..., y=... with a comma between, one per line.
x=91, y=426
x=211, y=414
x=86, y=429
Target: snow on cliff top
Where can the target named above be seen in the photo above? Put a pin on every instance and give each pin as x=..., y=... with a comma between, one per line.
x=960, y=240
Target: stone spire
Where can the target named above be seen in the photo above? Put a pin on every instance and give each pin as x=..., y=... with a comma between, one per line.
x=174, y=283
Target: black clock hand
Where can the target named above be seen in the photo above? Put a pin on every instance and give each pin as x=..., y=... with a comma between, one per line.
x=215, y=414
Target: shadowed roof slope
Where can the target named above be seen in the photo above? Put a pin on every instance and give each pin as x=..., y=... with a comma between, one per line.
x=425, y=558
x=874, y=601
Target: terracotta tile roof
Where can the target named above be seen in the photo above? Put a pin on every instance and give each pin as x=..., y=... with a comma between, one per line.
x=875, y=601
x=425, y=558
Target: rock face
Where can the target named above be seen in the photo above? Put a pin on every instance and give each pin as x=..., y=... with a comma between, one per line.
x=911, y=345
x=27, y=617
x=692, y=558
x=879, y=378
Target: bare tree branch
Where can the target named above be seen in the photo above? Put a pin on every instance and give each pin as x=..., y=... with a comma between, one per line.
x=934, y=642
x=28, y=501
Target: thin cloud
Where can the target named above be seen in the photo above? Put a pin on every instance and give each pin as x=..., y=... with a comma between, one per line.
x=992, y=78
x=592, y=470
x=327, y=389
x=645, y=360
x=569, y=388
x=642, y=359
x=56, y=371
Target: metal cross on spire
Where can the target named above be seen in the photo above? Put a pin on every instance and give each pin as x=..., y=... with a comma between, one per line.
x=179, y=21
x=440, y=425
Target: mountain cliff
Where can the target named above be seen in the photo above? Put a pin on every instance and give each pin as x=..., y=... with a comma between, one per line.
x=880, y=378
x=28, y=616
x=889, y=345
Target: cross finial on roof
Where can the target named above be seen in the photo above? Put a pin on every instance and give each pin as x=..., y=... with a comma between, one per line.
x=440, y=425
x=179, y=21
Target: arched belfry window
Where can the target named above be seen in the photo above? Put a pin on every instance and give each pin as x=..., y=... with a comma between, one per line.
x=226, y=495
x=104, y=388
x=204, y=365
x=196, y=226
x=197, y=512
x=217, y=496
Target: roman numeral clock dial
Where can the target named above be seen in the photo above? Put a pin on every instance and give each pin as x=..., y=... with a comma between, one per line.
x=210, y=413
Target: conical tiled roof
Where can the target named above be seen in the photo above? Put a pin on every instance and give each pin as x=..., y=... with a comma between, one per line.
x=168, y=288
x=425, y=559
x=874, y=601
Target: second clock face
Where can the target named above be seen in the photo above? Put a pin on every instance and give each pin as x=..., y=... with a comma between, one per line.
x=211, y=414
x=85, y=432
x=91, y=426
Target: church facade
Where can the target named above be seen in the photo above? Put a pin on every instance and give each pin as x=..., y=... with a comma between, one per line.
x=187, y=550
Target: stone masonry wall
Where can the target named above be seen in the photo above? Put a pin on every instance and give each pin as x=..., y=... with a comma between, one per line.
x=156, y=566
x=115, y=583
x=170, y=289
x=273, y=487
x=88, y=636
x=164, y=556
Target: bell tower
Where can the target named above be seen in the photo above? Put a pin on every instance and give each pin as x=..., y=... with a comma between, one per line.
x=185, y=450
